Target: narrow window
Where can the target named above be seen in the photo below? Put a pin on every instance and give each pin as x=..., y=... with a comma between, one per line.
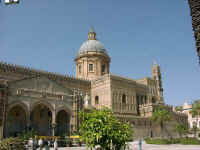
x=153, y=100
x=103, y=68
x=137, y=99
x=79, y=68
x=90, y=67
x=96, y=100
x=123, y=99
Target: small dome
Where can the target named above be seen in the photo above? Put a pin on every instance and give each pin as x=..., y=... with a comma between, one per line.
x=92, y=45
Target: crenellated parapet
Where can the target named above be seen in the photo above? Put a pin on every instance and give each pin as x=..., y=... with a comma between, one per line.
x=30, y=72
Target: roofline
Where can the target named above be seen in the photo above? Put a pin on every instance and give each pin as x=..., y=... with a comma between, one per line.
x=127, y=79
x=7, y=67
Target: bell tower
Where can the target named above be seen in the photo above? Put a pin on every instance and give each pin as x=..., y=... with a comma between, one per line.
x=156, y=75
x=92, y=60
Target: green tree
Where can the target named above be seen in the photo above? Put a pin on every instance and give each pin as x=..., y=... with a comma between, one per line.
x=196, y=110
x=179, y=108
x=195, y=129
x=195, y=113
x=161, y=115
x=101, y=127
x=181, y=129
x=26, y=135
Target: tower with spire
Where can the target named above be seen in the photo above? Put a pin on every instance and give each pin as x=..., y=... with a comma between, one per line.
x=156, y=75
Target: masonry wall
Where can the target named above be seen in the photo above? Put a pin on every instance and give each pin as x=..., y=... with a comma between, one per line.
x=101, y=88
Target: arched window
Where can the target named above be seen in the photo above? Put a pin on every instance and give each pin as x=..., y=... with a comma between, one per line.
x=123, y=99
x=96, y=100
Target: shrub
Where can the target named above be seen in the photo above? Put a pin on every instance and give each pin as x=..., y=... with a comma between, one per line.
x=26, y=135
x=189, y=141
x=185, y=141
x=17, y=144
x=175, y=141
x=157, y=141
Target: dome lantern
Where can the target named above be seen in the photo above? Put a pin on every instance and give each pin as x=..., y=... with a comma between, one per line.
x=91, y=35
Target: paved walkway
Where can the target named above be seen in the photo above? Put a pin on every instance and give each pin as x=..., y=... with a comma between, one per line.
x=134, y=146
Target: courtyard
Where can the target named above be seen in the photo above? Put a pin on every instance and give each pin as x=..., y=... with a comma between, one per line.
x=134, y=146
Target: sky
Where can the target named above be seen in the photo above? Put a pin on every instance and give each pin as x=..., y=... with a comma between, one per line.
x=47, y=34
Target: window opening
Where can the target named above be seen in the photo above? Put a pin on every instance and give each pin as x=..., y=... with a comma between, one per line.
x=96, y=100
x=123, y=99
x=90, y=67
x=103, y=68
x=79, y=68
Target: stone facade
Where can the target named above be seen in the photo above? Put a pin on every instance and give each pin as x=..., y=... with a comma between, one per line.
x=50, y=102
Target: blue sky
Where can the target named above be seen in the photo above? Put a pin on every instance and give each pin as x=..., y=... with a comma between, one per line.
x=46, y=34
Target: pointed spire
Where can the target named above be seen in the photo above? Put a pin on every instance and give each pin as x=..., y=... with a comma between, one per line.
x=91, y=34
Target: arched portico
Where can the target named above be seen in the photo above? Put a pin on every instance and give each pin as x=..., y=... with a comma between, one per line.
x=44, y=117
x=41, y=119
x=16, y=119
x=62, y=123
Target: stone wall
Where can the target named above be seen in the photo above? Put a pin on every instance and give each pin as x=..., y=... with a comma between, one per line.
x=101, y=92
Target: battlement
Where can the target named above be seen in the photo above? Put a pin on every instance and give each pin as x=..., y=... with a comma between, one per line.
x=13, y=68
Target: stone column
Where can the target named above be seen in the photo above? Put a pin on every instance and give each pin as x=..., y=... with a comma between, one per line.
x=74, y=114
x=53, y=122
x=113, y=101
x=28, y=120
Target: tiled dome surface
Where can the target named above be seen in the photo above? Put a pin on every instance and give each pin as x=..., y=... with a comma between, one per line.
x=91, y=45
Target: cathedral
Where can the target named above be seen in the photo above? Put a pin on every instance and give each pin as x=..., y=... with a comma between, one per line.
x=49, y=102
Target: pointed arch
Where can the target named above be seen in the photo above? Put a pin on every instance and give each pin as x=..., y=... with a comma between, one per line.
x=65, y=108
x=16, y=120
x=20, y=104
x=45, y=103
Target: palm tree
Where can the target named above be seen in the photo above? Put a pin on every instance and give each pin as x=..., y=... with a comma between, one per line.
x=161, y=115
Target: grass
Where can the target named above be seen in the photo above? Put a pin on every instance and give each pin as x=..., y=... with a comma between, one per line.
x=184, y=141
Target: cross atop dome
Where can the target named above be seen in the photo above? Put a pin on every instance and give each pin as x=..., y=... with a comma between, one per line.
x=91, y=34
